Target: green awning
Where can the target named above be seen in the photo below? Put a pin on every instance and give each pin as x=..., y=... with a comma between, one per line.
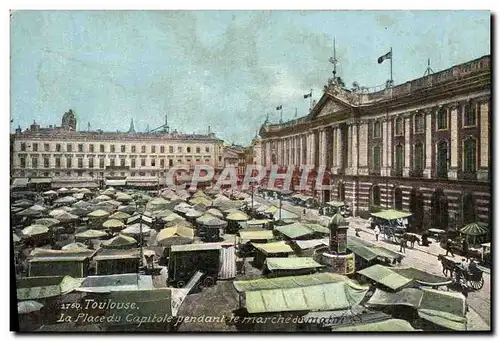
x=317, y=228
x=275, y=247
x=256, y=235
x=292, y=263
x=311, y=243
x=195, y=247
x=385, y=276
x=330, y=296
x=41, y=180
x=336, y=203
x=33, y=288
x=258, y=221
x=391, y=214
x=288, y=282
x=294, y=230
x=391, y=325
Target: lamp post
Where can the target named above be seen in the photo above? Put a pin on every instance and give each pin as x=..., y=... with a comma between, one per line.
x=138, y=207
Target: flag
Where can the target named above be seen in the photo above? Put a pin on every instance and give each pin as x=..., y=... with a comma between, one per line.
x=308, y=95
x=388, y=55
x=279, y=107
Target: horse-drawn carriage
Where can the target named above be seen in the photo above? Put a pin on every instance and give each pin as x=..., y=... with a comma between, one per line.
x=392, y=224
x=470, y=277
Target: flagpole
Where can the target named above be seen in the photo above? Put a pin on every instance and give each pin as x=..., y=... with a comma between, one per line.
x=311, y=100
x=391, y=67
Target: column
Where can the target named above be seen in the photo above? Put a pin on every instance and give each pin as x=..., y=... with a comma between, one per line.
x=363, y=149
x=334, y=149
x=389, y=148
x=340, y=149
x=349, y=148
x=313, y=148
x=268, y=153
x=484, y=162
x=354, y=148
x=385, y=169
x=406, y=156
x=452, y=172
x=428, y=145
x=322, y=158
x=52, y=161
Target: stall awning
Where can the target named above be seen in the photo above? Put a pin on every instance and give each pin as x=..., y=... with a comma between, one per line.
x=311, y=243
x=336, y=203
x=294, y=230
x=369, y=251
x=195, y=247
x=40, y=180
x=390, y=325
x=292, y=263
x=391, y=214
x=288, y=282
x=20, y=182
x=257, y=235
x=90, y=184
x=116, y=182
x=32, y=288
x=276, y=247
x=385, y=276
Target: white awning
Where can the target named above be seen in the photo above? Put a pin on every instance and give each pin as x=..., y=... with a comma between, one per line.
x=116, y=182
x=20, y=182
x=41, y=180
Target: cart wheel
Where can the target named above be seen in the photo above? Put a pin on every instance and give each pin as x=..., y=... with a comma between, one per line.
x=181, y=284
x=477, y=285
x=208, y=281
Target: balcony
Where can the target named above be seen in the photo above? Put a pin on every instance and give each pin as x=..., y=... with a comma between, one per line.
x=416, y=173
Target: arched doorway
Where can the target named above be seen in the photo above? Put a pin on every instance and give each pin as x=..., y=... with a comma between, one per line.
x=398, y=199
x=468, y=208
x=375, y=196
x=439, y=210
x=417, y=210
x=442, y=159
x=341, y=192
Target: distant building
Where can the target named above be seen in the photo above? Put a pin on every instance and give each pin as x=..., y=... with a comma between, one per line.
x=67, y=157
x=423, y=146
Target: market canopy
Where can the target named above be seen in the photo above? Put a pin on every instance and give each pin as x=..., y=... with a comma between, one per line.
x=175, y=236
x=256, y=222
x=119, y=215
x=385, y=276
x=123, y=197
x=310, y=244
x=391, y=214
x=288, y=282
x=389, y=325
x=317, y=228
x=335, y=203
x=66, y=200
x=28, y=212
x=369, y=251
x=294, y=230
x=119, y=242
x=443, y=308
x=34, y=230
x=98, y=214
x=237, y=216
x=256, y=235
x=113, y=224
x=102, y=197
x=271, y=210
x=215, y=212
x=474, y=229
x=91, y=234
x=50, y=192
x=75, y=247
x=192, y=213
x=284, y=215
x=292, y=263
x=33, y=288
x=135, y=230
x=66, y=217
x=272, y=248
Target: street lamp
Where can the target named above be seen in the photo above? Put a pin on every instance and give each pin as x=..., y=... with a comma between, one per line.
x=139, y=207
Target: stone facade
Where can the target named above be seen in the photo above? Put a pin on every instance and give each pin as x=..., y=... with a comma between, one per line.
x=422, y=146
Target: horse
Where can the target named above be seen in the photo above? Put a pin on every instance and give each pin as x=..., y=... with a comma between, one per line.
x=448, y=265
x=412, y=239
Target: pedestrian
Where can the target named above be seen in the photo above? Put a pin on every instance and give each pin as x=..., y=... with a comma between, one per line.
x=448, y=248
x=465, y=248
x=402, y=245
x=377, y=232
x=357, y=232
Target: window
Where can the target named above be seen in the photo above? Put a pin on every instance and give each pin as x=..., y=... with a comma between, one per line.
x=418, y=156
x=46, y=162
x=23, y=146
x=58, y=147
x=123, y=148
x=46, y=147
x=220, y=158
x=470, y=115
x=91, y=162
x=376, y=129
x=57, y=173
x=399, y=160
x=142, y=173
x=162, y=163
x=112, y=148
x=171, y=149
x=143, y=162
x=22, y=162
x=179, y=149
x=69, y=147
x=153, y=149
x=133, y=149
x=80, y=173
x=143, y=149
x=442, y=159
x=101, y=148
x=80, y=148
x=399, y=126
x=153, y=163
x=207, y=150
x=469, y=156
x=419, y=123
x=376, y=159
x=122, y=162
x=188, y=149
x=69, y=162
x=101, y=163
x=68, y=173
x=132, y=173
x=198, y=150
x=375, y=195
x=35, y=147
x=170, y=162
x=197, y=160
x=153, y=173
x=46, y=174
x=80, y=162
x=162, y=149
x=91, y=148
x=132, y=163
x=58, y=162
x=111, y=162
x=442, y=119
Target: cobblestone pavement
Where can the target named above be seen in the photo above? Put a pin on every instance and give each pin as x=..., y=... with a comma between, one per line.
x=422, y=258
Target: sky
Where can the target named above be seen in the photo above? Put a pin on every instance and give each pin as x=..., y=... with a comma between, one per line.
x=223, y=69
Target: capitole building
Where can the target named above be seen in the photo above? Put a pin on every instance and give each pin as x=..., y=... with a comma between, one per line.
x=423, y=146
x=61, y=156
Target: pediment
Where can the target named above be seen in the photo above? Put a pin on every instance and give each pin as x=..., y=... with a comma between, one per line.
x=330, y=107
